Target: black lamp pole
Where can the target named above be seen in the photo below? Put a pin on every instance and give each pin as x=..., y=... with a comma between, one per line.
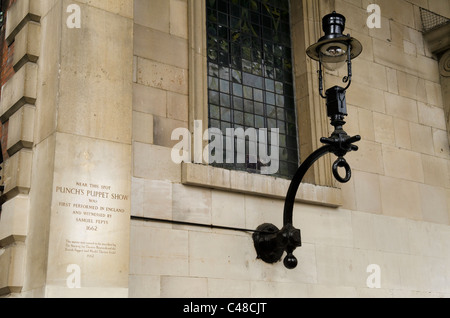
x=333, y=48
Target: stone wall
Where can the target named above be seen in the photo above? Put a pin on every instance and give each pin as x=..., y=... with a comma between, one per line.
x=395, y=212
x=92, y=108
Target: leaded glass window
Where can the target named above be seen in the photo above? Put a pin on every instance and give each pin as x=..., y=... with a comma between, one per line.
x=250, y=82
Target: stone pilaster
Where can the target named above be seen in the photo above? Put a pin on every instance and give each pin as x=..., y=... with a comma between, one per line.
x=17, y=107
x=65, y=224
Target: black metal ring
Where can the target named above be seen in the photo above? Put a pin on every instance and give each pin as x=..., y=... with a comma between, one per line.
x=342, y=163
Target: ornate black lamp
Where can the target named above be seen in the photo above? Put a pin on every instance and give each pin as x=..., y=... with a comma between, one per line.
x=332, y=51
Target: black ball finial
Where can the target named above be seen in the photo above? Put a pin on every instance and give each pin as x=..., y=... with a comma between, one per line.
x=290, y=261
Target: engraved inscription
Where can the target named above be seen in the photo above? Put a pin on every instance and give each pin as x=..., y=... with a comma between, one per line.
x=90, y=248
x=93, y=208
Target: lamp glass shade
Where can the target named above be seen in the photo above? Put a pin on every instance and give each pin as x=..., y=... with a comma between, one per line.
x=333, y=55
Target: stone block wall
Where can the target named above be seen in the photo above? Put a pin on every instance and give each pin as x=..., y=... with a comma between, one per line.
x=98, y=104
x=395, y=212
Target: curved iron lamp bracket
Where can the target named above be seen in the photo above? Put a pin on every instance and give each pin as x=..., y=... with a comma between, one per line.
x=271, y=242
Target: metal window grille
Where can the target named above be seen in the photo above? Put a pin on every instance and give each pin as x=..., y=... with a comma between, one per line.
x=431, y=20
x=250, y=82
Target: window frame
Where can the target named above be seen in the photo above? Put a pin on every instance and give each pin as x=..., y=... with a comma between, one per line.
x=318, y=185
